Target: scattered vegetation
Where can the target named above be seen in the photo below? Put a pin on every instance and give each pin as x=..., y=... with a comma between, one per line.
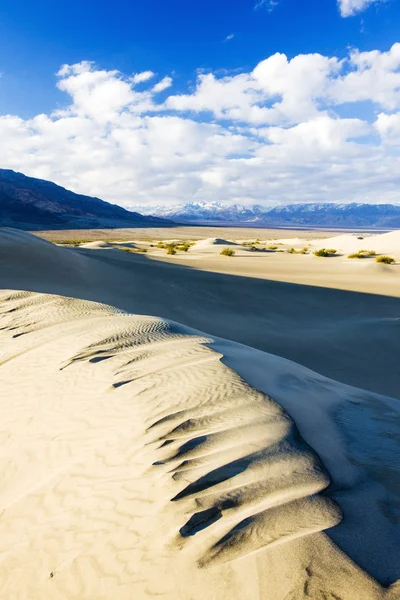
x=72, y=242
x=183, y=247
x=362, y=254
x=228, y=252
x=272, y=247
x=133, y=250
x=251, y=244
x=302, y=251
x=387, y=260
x=325, y=252
x=173, y=247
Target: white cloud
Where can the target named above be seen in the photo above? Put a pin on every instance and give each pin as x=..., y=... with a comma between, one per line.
x=371, y=76
x=349, y=8
x=388, y=127
x=162, y=85
x=141, y=77
x=272, y=134
x=229, y=37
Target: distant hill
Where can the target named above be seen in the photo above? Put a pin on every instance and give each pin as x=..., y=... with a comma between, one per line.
x=34, y=204
x=353, y=215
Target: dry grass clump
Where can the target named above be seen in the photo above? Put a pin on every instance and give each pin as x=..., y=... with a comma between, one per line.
x=71, y=242
x=302, y=251
x=228, y=252
x=325, y=252
x=362, y=254
x=183, y=247
x=387, y=260
x=169, y=246
x=134, y=250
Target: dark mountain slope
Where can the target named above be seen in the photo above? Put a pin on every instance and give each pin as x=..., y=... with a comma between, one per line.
x=29, y=203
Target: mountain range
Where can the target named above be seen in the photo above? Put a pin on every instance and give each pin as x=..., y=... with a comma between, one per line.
x=294, y=215
x=33, y=204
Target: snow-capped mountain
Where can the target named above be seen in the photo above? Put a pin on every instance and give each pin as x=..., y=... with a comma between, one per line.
x=305, y=215
x=216, y=212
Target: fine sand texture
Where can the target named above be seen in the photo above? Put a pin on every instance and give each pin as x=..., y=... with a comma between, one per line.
x=352, y=337
x=143, y=459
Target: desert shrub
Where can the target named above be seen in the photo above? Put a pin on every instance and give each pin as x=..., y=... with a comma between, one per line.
x=362, y=254
x=325, y=252
x=72, y=242
x=183, y=247
x=387, y=260
x=133, y=250
x=253, y=249
x=272, y=247
x=228, y=252
x=170, y=249
x=302, y=251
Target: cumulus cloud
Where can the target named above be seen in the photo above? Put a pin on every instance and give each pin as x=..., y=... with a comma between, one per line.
x=388, y=127
x=349, y=8
x=162, y=85
x=141, y=77
x=273, y=134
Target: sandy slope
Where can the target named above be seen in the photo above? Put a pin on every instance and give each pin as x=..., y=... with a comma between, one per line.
x=140, y=458
x=137, y=463
x=353, y=338
x=387, y=243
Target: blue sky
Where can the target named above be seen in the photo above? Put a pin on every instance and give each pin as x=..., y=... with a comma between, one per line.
x=177, y=36
x=181, y=39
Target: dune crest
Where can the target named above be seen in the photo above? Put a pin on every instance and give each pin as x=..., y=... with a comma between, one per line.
x=140, y=465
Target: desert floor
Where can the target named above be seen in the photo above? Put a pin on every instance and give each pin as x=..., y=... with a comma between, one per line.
x=146, y=452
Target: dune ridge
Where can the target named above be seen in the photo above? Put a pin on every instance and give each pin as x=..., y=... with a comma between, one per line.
x=140, y=464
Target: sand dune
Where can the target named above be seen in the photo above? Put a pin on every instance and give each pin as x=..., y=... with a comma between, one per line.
x=330, y=331
x=213, y=243
x=385, y=243
x=137, y=462
x=143, y=458
x=96, y=245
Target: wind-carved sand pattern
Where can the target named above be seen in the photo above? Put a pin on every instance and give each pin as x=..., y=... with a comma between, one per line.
x=135, y=464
